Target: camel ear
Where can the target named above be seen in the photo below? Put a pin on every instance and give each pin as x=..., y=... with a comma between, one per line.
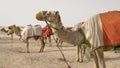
x=57, y=13
x=44, y=12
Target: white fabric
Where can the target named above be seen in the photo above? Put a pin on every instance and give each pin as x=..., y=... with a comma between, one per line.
x=93, y=30
x=30, y=31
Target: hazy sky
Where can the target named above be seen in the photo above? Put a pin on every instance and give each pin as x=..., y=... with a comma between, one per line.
x=22, y=12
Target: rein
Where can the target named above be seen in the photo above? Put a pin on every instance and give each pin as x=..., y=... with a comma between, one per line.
x=58, y=43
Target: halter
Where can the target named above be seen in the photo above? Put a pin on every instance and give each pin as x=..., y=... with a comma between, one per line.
x=60, y=28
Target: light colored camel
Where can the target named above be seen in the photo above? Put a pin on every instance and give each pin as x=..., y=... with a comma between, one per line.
x=77, y=38
x=32, y=32
x=60, y=32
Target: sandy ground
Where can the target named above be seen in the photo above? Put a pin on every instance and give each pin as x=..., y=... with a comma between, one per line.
x=13, y=55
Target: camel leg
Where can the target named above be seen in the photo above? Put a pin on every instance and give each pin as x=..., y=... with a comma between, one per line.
x=81, y=55
x=80, y=51
x=49, y=38
x=86, y=52
x=100, y=56
x=96, y=65
x=27, y=46
x=61, y=43
x=11, y=36
x=42, y=43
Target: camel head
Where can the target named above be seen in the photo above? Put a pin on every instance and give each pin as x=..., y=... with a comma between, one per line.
x=11, y=27
x=14, y=29
x=52, y=17
x=2, y=29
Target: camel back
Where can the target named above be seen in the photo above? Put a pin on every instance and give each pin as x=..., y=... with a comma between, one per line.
x=30, y=31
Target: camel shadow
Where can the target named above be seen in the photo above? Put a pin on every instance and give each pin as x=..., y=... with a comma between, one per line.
x=112, y=59
x=59, y=50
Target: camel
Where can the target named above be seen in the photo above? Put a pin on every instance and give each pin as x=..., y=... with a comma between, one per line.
x=60, y=32
x=79, y=36
x=7, y=32
x=32, y=32
x=14, y=29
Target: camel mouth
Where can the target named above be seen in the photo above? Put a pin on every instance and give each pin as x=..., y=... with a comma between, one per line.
x=39, y=16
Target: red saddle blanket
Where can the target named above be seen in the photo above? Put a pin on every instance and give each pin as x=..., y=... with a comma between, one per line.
x=111, y=27
x=46, y=32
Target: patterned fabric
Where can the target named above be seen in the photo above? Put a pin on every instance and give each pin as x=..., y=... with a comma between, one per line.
x=46, y=32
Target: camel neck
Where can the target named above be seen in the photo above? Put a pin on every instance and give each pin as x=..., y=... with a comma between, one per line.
x=57, y=26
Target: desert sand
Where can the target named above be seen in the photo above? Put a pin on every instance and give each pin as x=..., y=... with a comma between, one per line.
x=13, y=55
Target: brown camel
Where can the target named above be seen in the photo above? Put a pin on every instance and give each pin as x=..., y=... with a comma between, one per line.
x=14, y=29
x=7, y=31
x=79, y=36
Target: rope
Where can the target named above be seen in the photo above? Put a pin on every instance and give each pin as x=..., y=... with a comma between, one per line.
x=62, y=53
x=58, y=46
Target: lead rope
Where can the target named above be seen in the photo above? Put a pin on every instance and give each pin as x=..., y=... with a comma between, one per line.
x=58, y=46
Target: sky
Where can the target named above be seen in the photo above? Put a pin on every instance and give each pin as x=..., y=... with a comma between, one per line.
x=22, y=12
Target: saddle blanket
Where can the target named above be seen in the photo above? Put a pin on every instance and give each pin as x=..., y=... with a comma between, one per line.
x=102, y=29
x=30, y=31
x=47, y=32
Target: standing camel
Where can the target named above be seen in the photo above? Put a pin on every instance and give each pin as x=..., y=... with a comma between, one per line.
x=90, y=32
x=6, y=31
x=60, y=32
x=11, y=30
x=32, y=32
x=14, y=29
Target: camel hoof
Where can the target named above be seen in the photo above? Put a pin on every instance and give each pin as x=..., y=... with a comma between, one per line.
x=40, y=51
x=50, y=45
x=81, y=61
x=77, y=60
x=28, y=52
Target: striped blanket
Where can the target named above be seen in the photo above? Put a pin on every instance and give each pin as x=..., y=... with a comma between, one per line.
x=46, y=32
x=102, y=29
